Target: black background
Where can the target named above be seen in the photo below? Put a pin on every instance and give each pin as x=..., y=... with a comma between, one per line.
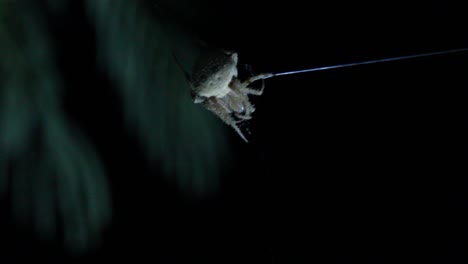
x=353, y=165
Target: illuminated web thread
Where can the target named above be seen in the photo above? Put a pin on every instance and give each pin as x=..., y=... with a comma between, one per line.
x=367, y=62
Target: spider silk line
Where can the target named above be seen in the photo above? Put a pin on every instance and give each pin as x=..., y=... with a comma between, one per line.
x=367, y=62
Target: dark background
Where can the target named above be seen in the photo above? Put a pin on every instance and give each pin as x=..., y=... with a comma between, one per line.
x=353, y=165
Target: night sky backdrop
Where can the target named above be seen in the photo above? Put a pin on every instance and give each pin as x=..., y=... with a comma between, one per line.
x=355, y=165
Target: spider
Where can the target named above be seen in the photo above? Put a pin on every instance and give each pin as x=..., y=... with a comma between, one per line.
x=215, y=85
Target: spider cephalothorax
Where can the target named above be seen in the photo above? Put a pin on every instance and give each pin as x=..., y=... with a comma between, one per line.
x=215, y=84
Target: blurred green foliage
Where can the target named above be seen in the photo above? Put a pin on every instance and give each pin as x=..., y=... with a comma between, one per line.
x=138, y=51
x=50, y=170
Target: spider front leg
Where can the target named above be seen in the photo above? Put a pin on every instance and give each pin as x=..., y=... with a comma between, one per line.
x=258, y=77
x=244, y=86
x=213, y=104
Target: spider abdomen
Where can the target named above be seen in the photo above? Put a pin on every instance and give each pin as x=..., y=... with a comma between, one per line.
x=213, y=73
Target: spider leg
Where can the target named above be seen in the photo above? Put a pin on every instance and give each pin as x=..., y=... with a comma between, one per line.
x=257, y=77
x=243, y=87
x=243, y=117
x=249, y=90
x=214, y=105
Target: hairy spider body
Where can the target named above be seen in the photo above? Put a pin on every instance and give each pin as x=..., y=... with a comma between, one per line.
x=215, y=84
